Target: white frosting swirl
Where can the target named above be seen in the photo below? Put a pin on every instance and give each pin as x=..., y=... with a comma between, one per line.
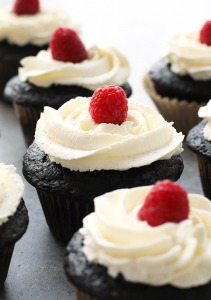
x=188, y=56
x=71, y=138
x=34, y=29
x=172, y=253
x=205, y=112
x=11, y=191
x=103, y=67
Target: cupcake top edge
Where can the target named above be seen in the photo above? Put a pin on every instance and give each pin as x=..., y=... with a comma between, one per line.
x=170, y=253
x=70, y=137
x=11, y=191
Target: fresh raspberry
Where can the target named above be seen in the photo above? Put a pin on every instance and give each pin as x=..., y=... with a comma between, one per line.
x=205, y=34
x=66, y=46
x=109, y=105
x=26, y=7
x=166, y=202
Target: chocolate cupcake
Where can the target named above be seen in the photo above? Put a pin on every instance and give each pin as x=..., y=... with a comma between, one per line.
x=13, y=216
x=179, y=84
x=24, y=31
x=119, y=254
x=199, y=141
x=62, y=73
x=76, y=157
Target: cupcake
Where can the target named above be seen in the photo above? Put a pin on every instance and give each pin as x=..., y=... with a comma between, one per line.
x=180, y=83
x=141, y=244
x=199, y=141
x=25, y=30
x=90, y=146
x=13, y=215
x=63, y=72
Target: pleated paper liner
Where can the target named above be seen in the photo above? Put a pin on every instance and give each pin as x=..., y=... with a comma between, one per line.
x=64, y=213
x=82, y=296
x=184, y=114
x=28, y=117
x=5, y=258
x=205, y=175
x=7, y=70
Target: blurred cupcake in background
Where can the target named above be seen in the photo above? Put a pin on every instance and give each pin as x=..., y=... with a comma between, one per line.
x=63, y=72
x=13, y=215
x=199, y=141
x=25, y=29
x=180, y=83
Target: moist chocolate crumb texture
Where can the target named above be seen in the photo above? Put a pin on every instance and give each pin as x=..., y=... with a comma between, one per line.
x=13, y=215
x=116, y=256
x=179, y=83
x=22, y=35
x=73, y=159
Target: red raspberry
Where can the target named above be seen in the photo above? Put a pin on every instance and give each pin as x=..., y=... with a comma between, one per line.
x=109, y=105
x=166, y=202
x=66, y=46
x=205, y=34
x=26, y=7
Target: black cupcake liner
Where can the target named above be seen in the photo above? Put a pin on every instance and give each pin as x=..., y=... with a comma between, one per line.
x=7, y=71
x=82, y=296
x=5, y=259
x=63, y=213
x=205, y=175
x=28, y=117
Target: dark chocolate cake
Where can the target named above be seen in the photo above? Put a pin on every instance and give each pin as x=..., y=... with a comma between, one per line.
x=67, y=196
x=202, y=148
x=93, y=281
x=10, y=56
x=10, y=232
x=25, y=93
x=169, y=84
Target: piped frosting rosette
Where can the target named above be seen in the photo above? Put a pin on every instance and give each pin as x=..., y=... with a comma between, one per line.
x=103, y=67
x=35, y=29
x=71, y=138
x=11, y=191
x=187, y=55
x=172, y=253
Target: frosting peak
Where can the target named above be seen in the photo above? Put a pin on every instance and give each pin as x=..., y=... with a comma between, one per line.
x=71, y=138
x=187, y=55
x=177, y=254
x=11, y=191
x=103, y=67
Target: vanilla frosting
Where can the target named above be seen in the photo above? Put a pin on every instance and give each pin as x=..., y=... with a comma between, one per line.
x=35, y=29
x=187, y=55
x=172, y=253
x=205, y=112
x=71, y=138
x=11, y=191
x=102, y=67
